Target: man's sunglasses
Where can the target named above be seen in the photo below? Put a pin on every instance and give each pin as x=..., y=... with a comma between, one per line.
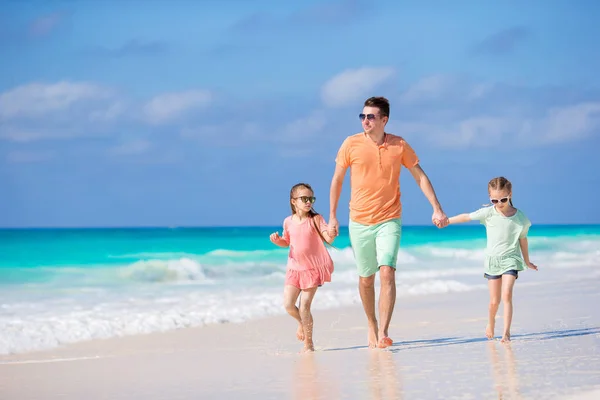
x=502, y=200
x=370, y=117
x=306, y=199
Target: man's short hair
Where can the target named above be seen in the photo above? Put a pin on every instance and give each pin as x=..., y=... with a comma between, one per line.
x=380, y=102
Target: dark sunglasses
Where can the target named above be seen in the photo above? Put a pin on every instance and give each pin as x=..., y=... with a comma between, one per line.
x=370, y=117
x=306, y=199
x=502, y=200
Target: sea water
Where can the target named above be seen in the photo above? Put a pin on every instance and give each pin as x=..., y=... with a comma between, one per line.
x=61, y=286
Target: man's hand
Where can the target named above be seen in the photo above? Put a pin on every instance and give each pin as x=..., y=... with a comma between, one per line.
x=439, y=219
x=333, y=226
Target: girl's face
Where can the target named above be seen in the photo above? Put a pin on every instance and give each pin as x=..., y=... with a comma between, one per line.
x=303, y=200
x=500, y=198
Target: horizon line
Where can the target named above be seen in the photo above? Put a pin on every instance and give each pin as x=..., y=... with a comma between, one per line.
x=232, y=226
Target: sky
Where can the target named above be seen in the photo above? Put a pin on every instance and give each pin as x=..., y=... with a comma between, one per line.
x=206, y=113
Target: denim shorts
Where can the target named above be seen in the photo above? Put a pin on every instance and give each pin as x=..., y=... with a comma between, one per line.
x=512, y=272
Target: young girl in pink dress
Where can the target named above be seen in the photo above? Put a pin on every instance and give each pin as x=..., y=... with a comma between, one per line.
x=309, y=263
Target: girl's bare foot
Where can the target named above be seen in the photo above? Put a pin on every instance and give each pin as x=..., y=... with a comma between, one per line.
x=308, y=348
x=300, y=333
x=489, y=331
x=505, y=338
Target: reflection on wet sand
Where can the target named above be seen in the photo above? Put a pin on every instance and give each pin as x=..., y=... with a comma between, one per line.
x=504, y=372
x=306, y=378
x=384, y=382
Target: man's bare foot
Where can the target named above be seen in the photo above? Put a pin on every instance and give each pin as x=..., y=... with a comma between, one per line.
x=372, y=338
x=489, y=331
x=300, y=333
x=384, y=342
x=505, y=338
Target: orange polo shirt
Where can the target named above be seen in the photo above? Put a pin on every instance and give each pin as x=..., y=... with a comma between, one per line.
x=375, y=176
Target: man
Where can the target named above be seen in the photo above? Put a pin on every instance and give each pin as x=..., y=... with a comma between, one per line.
x=375, y=159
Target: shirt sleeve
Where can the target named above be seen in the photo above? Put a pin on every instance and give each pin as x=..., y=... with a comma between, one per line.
x=343, y=156
x=526, y=226
x=480, y=215
x=323, y=227
x=409, y=157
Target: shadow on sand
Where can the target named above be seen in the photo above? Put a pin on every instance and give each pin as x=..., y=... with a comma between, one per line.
x=414, y=344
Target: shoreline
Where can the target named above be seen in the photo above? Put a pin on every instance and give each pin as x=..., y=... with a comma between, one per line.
x=439, y=351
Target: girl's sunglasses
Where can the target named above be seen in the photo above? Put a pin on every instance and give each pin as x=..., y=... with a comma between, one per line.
x=306, y=199
x=502, y=200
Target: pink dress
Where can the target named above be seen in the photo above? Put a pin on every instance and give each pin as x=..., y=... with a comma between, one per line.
x=309, y=263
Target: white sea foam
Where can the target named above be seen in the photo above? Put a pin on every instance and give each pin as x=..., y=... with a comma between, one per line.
x=163, y=291
x=63, y=321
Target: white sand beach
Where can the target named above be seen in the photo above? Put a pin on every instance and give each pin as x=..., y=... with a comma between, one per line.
x=440, y=352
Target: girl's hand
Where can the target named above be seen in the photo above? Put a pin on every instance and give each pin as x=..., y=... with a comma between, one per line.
x=275, y=238
x=531, y=265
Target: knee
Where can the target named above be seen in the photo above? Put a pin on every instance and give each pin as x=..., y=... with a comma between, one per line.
x=494, y=303
x=289, y=306
x=367, y=283
x=305, y=307
x=387, y=275
x=507, y=298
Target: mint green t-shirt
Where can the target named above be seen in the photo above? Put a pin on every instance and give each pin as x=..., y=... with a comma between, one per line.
x=503, y=251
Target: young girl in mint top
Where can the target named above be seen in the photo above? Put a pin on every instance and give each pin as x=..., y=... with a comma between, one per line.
x=507, y=250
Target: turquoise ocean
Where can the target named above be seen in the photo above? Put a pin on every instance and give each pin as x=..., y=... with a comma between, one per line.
x=61, y=286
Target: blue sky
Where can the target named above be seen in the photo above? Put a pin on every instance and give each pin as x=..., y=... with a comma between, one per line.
x=156, y=113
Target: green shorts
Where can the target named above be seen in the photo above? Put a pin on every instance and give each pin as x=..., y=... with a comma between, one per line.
x=375, y=245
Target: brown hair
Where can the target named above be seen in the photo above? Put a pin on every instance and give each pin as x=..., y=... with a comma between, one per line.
x=312, y=213
x=501, y=183
x=380, y=102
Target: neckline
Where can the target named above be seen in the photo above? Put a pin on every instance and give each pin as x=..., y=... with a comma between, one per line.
x=506, y=216
x=298, y=222
x=385, y=139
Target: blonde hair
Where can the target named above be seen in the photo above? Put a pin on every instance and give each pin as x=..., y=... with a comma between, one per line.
x=501, y=183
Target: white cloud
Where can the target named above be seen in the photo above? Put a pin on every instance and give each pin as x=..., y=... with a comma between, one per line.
x=40, y=99
x=354, y=85
x=429, y=88
x=303, y=127
x=26, y=157
x=557, y=125
x=571, y=123
x=26, y=134
x=133, y=147
x=168, y=106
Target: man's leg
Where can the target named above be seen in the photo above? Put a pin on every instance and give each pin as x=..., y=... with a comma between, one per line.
x=366, y=288
x=362, y=239
x=387, y=242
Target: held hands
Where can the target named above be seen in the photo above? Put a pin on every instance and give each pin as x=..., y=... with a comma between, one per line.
x=439, y=219
x=531, y=265
x=333, y=226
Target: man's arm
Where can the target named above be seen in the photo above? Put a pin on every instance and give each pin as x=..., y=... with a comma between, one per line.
x=425, y=184
x=334, y=197
x=336, y=189
x=423, y=181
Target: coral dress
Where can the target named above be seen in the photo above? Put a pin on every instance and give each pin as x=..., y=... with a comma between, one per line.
x=309, y=263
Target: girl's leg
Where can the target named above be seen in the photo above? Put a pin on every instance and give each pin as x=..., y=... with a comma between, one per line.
x=495, y=286
x=508, y=282
x=290, y=295
x=306, y=316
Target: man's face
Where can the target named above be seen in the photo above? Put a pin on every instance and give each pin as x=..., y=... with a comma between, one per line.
x=372, y=120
